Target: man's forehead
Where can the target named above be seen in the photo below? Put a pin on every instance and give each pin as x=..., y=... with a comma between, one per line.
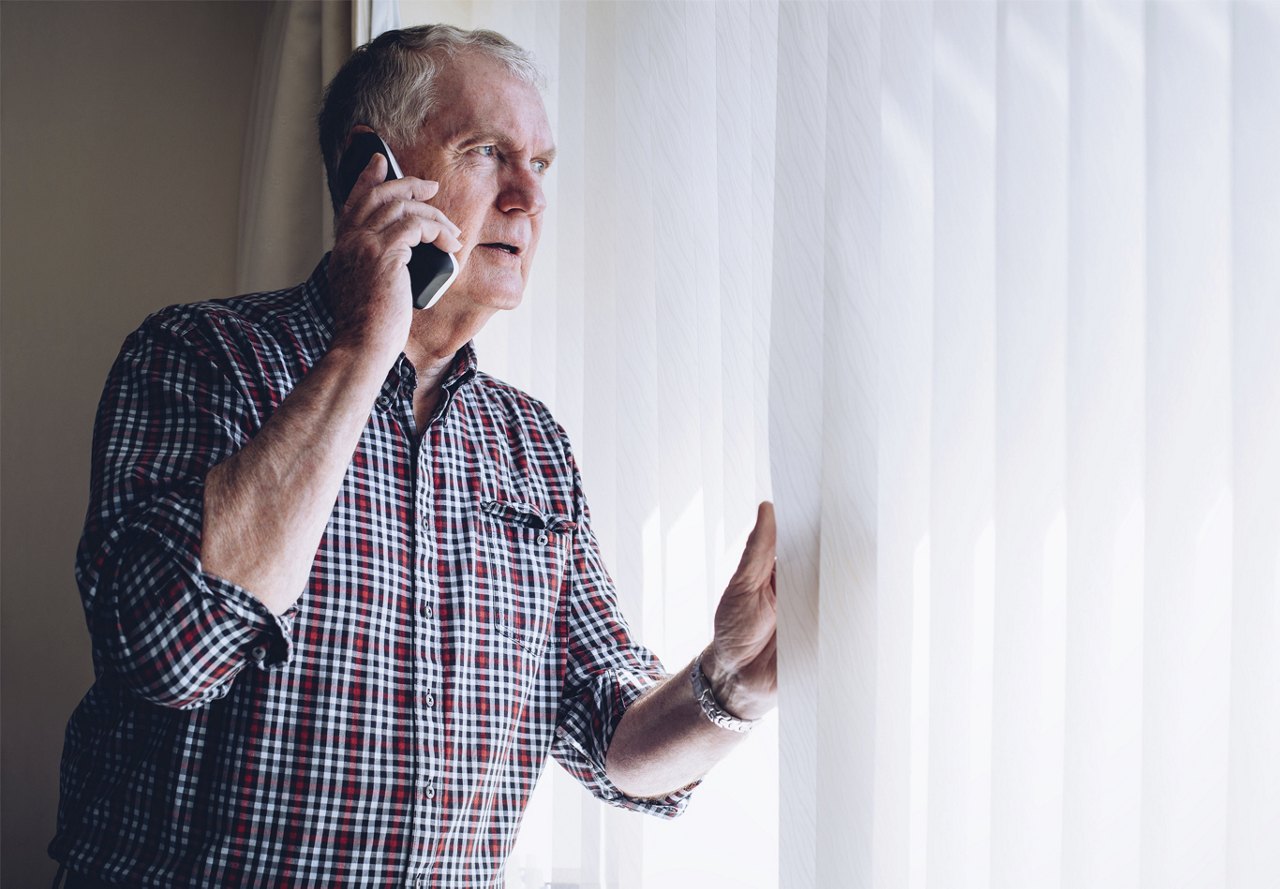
x=475, y=93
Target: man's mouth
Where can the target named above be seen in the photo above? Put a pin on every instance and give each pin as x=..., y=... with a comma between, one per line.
x=508, y=248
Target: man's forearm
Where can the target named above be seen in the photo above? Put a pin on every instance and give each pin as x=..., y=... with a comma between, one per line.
x=665, y=741
x=266, y=507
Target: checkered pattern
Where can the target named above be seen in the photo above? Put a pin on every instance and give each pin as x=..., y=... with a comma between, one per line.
x=457, y=626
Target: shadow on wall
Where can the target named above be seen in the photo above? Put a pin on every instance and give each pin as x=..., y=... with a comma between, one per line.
x=123, y=132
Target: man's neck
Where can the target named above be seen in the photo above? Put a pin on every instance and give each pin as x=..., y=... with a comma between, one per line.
x=436, y=337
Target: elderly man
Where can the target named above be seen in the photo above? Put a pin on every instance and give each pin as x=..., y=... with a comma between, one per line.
x=342, y=587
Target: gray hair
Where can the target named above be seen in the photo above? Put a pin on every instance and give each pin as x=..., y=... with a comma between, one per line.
x=389, y=85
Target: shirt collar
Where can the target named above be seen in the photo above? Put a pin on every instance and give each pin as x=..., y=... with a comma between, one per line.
x=316, y=294
x=463, y=369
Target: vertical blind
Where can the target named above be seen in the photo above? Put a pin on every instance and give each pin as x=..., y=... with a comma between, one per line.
x=986, y=296
x=1024, y=429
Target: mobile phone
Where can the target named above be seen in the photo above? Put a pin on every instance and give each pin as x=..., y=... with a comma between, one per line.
x=431, y=270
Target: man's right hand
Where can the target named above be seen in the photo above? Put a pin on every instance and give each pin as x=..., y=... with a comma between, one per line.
x=378, y=227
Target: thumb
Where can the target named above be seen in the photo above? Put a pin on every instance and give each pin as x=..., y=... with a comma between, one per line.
x=762, y=544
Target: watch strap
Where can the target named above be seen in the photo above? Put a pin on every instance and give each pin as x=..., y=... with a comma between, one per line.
x=710, y=706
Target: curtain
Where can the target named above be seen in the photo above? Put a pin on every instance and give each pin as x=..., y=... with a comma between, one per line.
x=986, y=297
x=644, y=328
x=286, y=223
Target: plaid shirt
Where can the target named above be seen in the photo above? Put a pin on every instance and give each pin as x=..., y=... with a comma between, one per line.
x=387, y=730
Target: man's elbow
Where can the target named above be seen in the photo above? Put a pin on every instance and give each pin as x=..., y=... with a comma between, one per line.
x=174, y=647
x=632, y=772
x=620, y=771
x=160, y=664
x=176, y=686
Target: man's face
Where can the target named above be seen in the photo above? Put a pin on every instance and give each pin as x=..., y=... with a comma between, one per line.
x=488, y=143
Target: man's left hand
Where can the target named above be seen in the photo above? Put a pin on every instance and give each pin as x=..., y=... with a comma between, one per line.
x=741, y=663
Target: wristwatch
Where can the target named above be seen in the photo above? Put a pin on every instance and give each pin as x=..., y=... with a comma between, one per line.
x=710, y=706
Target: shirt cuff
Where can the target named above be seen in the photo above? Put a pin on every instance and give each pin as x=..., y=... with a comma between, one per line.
x=271, y=646
x=586, y=730
x=593, y=775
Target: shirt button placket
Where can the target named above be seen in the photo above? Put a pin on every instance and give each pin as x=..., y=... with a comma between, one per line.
x=427, y=726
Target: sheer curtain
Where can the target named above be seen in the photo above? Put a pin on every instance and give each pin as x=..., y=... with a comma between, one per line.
x=645, y=328
x=986, y=295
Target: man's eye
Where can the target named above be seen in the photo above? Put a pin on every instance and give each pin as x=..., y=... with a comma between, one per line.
x=540, y=166
x=485, y=150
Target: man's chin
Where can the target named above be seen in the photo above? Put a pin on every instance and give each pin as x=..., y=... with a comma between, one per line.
x=506, y=304
x=493, y=296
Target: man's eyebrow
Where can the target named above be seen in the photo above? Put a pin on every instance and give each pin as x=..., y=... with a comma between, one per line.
x=482, y=137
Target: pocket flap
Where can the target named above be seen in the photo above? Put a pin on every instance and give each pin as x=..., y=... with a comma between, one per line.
x=526, y=515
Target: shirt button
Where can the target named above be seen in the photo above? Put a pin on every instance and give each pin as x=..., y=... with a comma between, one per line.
x=430, y=792
x=429, y=700
x=425, y=608
x=542, y=538
x=259, y=653
x=383, y=402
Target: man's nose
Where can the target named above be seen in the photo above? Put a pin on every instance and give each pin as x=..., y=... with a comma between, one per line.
x=522, y=191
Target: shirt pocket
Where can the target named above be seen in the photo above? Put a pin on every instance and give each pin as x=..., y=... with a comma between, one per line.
x=521, y=557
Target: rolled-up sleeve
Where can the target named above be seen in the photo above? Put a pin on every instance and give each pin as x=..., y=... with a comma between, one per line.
x=607, y=672
x=174, y=634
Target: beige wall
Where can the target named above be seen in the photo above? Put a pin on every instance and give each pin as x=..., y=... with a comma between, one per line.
x=122, y=134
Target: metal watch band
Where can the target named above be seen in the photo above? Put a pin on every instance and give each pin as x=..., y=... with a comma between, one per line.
x=711, y=707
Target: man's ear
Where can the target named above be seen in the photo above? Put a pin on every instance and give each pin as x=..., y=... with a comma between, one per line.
x=358, y=128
